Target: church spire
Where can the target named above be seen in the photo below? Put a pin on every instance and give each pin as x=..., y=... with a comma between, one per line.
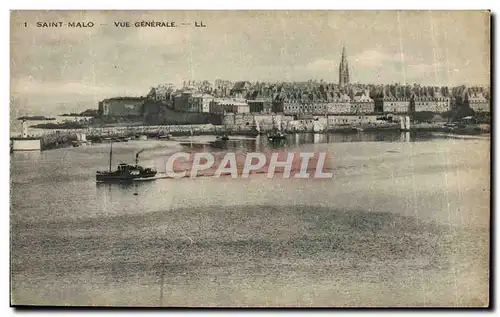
x=343, y=68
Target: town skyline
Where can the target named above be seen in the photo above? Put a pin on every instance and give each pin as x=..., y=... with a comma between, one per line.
x=77, y=66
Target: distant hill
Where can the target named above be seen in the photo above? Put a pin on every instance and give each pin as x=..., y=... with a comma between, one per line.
x=63, y=125
x=35, y=118
x=86, y=113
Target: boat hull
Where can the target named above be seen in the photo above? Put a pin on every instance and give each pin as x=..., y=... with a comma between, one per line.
x=276, y=138
x=114, y=177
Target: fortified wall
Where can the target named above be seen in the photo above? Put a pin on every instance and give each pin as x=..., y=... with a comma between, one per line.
x=250, y=122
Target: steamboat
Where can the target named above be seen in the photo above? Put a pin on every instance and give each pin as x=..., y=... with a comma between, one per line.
x=124, y=172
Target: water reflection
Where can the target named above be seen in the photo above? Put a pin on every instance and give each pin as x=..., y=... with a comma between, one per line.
x=260, y=144
x=297, y=139
x=32, y=156
x=112, y=195
x=275, y=144
x=257, y=142
x=318, y=138
x=405, y=137
x=131, y=187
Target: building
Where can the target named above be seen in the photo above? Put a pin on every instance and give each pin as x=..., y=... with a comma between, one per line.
x=392, y=105
x=223, y=106
x=240, y=89
x=161, y=92
x=177, y=101
x=341, y=103
x=479, y=103
x=122, y=106
x=348, y=120
x=343, y=69
x=152, y=109
x=222, y=88
x=295, y=108
x=362, y=103
x=181, y=101
x=260, y=105
x=432, y=104
x=278, y=107
x=320, y=108
x=199, y=103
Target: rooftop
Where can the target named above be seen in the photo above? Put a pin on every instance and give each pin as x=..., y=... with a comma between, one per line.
x=235, y=102
x=125, y=98
x=201, y=95
x=241, y=85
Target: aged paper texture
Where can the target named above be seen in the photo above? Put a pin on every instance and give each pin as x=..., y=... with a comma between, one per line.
x=250, y=158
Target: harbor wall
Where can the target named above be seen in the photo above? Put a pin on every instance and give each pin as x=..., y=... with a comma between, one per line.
x=248, y=121
x=26, y=145
x=135, y=130
x=233, y=124
x=158, y=114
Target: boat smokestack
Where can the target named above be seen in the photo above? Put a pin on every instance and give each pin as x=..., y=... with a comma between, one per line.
x=137, y=156
x=110, y=155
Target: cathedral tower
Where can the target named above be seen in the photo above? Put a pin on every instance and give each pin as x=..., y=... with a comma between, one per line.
x=343, y=69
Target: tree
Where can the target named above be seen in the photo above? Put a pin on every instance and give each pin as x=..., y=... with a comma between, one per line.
x=423, y=116
x=462, y=112
x=447, y=114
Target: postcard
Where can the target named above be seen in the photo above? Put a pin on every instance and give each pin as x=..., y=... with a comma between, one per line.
x=250, y=158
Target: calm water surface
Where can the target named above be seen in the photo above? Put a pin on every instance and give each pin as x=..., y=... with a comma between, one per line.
x=404, y=221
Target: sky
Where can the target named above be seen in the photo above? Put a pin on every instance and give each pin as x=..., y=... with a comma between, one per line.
x=63, y=69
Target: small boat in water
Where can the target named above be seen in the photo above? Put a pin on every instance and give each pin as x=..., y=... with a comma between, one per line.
x=223, y=138
x=277, y=136
x=165, y=137
x=124, y=172
x=120, y=139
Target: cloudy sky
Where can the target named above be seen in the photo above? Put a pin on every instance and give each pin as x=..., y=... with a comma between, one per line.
x=57, y=69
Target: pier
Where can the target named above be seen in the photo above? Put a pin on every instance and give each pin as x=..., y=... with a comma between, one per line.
x=25, y=142
x=53, y=139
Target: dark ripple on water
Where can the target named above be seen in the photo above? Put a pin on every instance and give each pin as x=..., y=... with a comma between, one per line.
x=308, y=239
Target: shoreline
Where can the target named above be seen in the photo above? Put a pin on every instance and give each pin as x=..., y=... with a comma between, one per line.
x=187, y=130
x=195, y=129
x=70, y=138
